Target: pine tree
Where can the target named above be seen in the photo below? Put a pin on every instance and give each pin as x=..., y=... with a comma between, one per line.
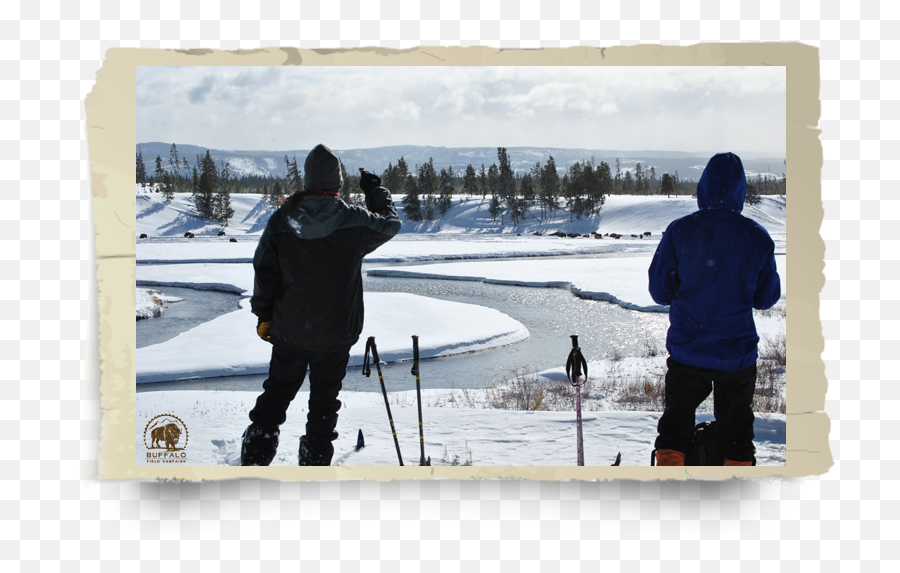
x=294, y=180
x=207, y=186
x=470, y=181
x=140, y=170
x=667, y=184
x=195, y=183
x=604, y=186
x=638, y=179
x=402, y=175
x=164, y=182
x=506, y=184
x=389, y=178
x=277, y=194
x=627, y=184
x=572, y=182
x=618, y=180
x=445, y=200
x=528, y=191
x=493, y=180
x=427, y=182
x=220, y=206
x=495, y=208
x=754, y=189
x=536, y=185
x=348, y=185
x=483, y=181
x=429, y=208
x=549, y=185
x=174, y=164
x=412, y=205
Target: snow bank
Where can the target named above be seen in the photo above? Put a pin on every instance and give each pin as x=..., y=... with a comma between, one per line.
x=621, y=280
x=403, y=248
x=229, y=346
x=150, y=303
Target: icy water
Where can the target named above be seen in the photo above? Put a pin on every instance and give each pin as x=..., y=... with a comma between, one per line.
x=198, y=306
x=550, y=315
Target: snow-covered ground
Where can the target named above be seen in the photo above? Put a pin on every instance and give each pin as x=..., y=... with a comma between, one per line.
x=455, y=432
x=460, y=426
x=150, y=303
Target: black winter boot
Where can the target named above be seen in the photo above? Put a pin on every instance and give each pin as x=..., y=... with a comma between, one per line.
x=259, y=444
x=316, y=450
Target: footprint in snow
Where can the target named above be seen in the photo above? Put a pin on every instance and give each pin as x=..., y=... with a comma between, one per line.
x=227, y=452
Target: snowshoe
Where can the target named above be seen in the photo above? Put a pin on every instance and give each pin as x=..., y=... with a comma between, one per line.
x=316, y=451
x=259, y=445
x=704, y=450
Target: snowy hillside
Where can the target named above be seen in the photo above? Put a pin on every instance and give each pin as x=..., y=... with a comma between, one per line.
x=622, y=214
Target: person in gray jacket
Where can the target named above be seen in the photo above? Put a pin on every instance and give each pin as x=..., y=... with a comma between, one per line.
x=308, y=297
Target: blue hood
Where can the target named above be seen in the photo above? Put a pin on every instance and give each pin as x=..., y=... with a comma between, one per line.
x=723, y=184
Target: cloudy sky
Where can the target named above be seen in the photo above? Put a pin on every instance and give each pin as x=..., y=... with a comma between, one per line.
x=620, y=108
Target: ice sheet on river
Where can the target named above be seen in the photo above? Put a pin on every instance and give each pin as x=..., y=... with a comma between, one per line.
x=229, y=346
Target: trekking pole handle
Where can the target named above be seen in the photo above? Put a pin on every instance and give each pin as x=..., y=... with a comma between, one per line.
x=415, y=367
x=576, y=363
x=366, y=369
x=370, y=343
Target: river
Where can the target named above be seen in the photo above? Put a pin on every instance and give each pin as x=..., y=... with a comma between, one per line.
x=551, y=315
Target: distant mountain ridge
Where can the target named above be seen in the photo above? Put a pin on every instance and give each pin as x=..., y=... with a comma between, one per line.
x=689, y=165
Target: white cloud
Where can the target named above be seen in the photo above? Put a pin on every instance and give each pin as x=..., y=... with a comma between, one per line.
x=357, y=107
x=401, y=111
x=609, y=108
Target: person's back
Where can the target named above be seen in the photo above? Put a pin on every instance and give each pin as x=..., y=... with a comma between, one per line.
x=308, y=296
x=317, y=243
x=713, y=268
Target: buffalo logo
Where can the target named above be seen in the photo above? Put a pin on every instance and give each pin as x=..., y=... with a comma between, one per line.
x=166, y=438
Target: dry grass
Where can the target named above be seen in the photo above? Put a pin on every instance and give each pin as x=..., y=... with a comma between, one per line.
x=779, y=310
x=531, y=393
x=774, y=349
x=616, y=391
x=454, y=459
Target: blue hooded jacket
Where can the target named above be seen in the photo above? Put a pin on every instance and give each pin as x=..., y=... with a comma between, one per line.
x=712, y=268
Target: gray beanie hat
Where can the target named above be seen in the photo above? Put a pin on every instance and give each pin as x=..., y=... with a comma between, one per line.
x=322, y=170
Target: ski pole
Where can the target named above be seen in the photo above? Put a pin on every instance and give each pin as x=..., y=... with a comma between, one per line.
x=370, y=346
x=415, y=372
x=574, y=365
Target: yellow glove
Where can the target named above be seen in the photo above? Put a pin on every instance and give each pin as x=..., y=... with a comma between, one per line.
x=263, y=331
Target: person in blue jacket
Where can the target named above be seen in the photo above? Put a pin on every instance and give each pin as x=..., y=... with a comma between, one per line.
x=712, y=268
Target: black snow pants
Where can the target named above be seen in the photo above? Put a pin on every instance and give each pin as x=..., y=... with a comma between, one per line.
x=287, y=371
x=687, y=387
